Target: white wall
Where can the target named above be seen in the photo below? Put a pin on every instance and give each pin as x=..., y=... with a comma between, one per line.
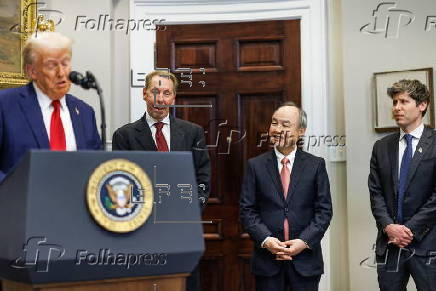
x=364, y=54
x=120, y=56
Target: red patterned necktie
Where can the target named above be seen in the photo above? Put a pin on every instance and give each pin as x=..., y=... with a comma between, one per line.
x=161, y=143
x=285, y=176
x=57, y=133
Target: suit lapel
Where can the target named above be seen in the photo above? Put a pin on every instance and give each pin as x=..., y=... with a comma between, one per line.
x=421, y=149
x=273, y=170
x=145, y=138
x=297, y=172
x=30, y=106
x=76, y=122
x=392, y=145
x=177, y=135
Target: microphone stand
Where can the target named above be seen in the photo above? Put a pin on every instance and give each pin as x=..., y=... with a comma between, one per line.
x=94, y=84
x=103, y=116
x=88, y=82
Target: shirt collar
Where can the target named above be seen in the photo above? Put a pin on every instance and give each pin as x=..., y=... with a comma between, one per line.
x=45, y=101
x=151, y=121
x=416, y=133
x=280, y=156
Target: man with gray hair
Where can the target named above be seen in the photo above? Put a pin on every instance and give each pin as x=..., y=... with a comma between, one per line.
x=41, y=115
x=286, y=207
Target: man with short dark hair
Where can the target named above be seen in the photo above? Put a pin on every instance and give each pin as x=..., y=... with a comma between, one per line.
x=286, y=208
x=402, y=186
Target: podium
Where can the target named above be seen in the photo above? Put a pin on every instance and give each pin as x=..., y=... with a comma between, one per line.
x=52, y=240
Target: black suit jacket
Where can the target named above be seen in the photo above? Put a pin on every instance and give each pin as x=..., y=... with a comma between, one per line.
x=419, y=208
x=185, y=136
x=307, y=206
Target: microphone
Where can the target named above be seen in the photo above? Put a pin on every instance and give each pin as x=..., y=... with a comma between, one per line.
x=86, y=82
x=90, y=82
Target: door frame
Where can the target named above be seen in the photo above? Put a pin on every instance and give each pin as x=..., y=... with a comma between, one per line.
x=314, y=54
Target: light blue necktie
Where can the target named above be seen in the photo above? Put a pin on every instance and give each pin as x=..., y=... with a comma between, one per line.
x=404, y=170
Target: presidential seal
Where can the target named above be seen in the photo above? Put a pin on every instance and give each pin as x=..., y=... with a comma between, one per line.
x=119, y=195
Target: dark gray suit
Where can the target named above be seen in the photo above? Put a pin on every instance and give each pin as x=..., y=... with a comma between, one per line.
x=419, y=207
x=185, y=136
x=307, y=206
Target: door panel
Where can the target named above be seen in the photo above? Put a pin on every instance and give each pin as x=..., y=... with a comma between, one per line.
x=244, y=71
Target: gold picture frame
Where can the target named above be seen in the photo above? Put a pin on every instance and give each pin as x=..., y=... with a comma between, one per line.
x=18, y=25
x=384, y=121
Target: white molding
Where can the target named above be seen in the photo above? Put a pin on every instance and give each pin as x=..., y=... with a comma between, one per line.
x=313, y=53
x=206, y=2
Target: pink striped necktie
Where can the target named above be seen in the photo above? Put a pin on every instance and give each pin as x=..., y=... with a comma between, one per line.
x=285, y=176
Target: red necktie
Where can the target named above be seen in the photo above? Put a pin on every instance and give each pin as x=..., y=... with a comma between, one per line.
x=285, y=176
x=57, y=133
x=161, y=143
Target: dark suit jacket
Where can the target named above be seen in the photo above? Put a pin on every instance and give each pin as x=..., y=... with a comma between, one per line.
x=308, y=209
x=185, y=136
x=419, y=208
x=22, y=125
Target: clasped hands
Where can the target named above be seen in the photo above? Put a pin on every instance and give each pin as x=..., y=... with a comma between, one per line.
x=285, y=250
x=399, y=235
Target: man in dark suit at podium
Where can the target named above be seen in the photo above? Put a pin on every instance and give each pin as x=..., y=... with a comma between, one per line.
x=286, y=208
x=402, y=186
x=41, y=115
x=157, y=130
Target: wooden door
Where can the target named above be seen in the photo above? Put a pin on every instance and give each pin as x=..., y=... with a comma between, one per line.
x=243, y=70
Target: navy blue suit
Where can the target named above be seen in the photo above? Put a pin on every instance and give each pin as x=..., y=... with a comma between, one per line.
x=419, y=211
x=307, y=206
x=22, y=125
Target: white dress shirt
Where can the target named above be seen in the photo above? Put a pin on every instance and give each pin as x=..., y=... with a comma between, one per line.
x=402, y=143
x=165, y=129
x=47, y=109
x=280, y=156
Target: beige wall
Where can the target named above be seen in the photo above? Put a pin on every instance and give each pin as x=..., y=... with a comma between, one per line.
x=337, y=174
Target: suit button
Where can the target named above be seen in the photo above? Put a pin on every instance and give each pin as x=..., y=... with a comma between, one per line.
x=286, y=209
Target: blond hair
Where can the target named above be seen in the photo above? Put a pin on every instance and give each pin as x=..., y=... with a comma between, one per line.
x=44, y=40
